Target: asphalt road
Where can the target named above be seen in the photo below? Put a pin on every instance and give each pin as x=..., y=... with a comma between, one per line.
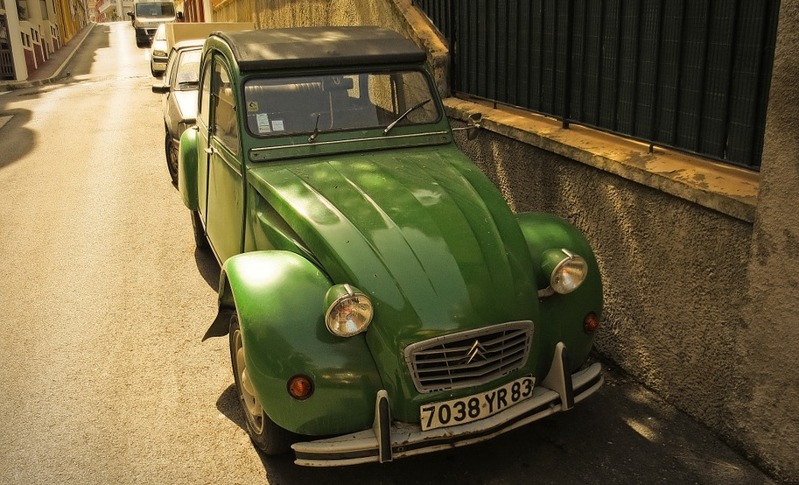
x=103, y=302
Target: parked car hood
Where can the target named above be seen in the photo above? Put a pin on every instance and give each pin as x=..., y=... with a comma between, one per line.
x=421, y=231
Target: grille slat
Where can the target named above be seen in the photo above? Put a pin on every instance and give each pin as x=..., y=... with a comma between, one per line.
x=456, y=365
x=469, y=358
x=466, y=370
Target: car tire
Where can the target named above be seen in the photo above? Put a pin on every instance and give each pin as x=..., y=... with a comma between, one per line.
x=267, y=436
x=199, y=234
x=171, y=158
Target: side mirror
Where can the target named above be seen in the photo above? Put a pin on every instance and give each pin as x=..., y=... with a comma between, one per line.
x=160, y=88
x=179, y=16
x=473, y=125
x=131, y=15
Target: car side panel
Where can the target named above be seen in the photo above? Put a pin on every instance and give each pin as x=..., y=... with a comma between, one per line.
x=225, y=211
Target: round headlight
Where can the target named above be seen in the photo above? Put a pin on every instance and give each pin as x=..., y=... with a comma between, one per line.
x=349, y=311
x=568, y=273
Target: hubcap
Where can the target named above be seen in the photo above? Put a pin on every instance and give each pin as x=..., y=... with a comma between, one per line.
x=252, y=408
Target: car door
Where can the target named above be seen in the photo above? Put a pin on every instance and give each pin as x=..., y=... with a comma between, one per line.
x=225, y=200
x=203, y=140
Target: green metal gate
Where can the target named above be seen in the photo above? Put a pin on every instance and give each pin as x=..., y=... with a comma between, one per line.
x=689, y=74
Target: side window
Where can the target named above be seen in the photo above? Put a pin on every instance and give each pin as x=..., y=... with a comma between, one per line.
x=225, y=125
x=398, y=92
x=188, y=68
x=205, y=96
x=412, y=89
x=169, y=77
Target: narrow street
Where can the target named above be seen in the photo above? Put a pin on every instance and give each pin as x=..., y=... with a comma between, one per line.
x=104, y=301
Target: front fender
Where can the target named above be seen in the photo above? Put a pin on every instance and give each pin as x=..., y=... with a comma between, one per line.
x=564, y=314
x=188, y=167
x=279, y=297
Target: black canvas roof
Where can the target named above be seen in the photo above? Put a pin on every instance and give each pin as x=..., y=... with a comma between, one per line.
x=320, y=46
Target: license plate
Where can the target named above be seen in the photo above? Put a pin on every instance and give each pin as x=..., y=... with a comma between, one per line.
x=477, y=406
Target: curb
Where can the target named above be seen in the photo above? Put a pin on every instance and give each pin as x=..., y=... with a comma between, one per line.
x=57, y=76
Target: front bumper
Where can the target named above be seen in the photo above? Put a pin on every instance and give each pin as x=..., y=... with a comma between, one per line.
x=158, y=64
x=559, y=391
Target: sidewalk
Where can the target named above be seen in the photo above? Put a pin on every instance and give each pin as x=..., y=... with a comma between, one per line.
x=53, y=69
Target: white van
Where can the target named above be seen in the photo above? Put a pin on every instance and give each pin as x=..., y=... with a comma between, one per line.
x=148, y=15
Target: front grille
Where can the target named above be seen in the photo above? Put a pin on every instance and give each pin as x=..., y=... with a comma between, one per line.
x=469, y=358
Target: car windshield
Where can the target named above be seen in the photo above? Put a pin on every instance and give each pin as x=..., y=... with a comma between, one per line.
x=153, y=9
x=318, y=104
x=188, y=74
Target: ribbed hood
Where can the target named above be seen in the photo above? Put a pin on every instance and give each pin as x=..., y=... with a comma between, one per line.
x=422, y=231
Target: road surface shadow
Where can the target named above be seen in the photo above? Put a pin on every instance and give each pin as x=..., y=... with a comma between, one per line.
x=622, y=434
x=228, y=405
x=16, y=140
x=208, y=267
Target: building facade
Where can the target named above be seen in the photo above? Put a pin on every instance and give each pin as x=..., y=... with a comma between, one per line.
x=32, y=30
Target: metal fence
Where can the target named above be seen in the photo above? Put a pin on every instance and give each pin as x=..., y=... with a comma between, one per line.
x=688, y=74
x=6, y=57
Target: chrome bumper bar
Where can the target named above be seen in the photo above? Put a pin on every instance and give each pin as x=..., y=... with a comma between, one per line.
x=559, y=391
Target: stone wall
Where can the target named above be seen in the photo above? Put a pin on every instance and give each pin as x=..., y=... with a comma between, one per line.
x=767, y=404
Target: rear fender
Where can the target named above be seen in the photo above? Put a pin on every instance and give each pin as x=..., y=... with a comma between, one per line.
x=188, y=167
x=279, y=298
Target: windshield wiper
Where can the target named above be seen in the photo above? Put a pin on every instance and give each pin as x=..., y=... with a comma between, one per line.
x=315, y=133
x=403, y=115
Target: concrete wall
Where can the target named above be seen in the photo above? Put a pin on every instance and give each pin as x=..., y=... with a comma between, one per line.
x=767, y=404
x=674, y=274
x=699, y=300
x=699, y=305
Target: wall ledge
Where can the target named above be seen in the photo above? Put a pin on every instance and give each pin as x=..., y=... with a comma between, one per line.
x=724, y=188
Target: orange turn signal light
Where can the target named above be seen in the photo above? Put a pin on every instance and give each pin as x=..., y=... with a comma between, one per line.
x=300, y=387
x=591, y=322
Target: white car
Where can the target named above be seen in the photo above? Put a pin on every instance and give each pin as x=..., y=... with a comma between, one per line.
x=179, y=88
x=158, y=52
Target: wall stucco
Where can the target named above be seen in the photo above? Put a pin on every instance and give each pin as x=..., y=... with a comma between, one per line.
x=674, y=273
x=767, y=421
x=698, y=304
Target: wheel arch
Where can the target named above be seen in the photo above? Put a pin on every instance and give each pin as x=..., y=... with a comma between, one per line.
x=543, y=232
x=226, y=307
x=188, y=160
x=279, y=299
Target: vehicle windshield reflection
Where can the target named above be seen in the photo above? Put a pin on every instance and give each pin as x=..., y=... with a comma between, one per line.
x=312, y=105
